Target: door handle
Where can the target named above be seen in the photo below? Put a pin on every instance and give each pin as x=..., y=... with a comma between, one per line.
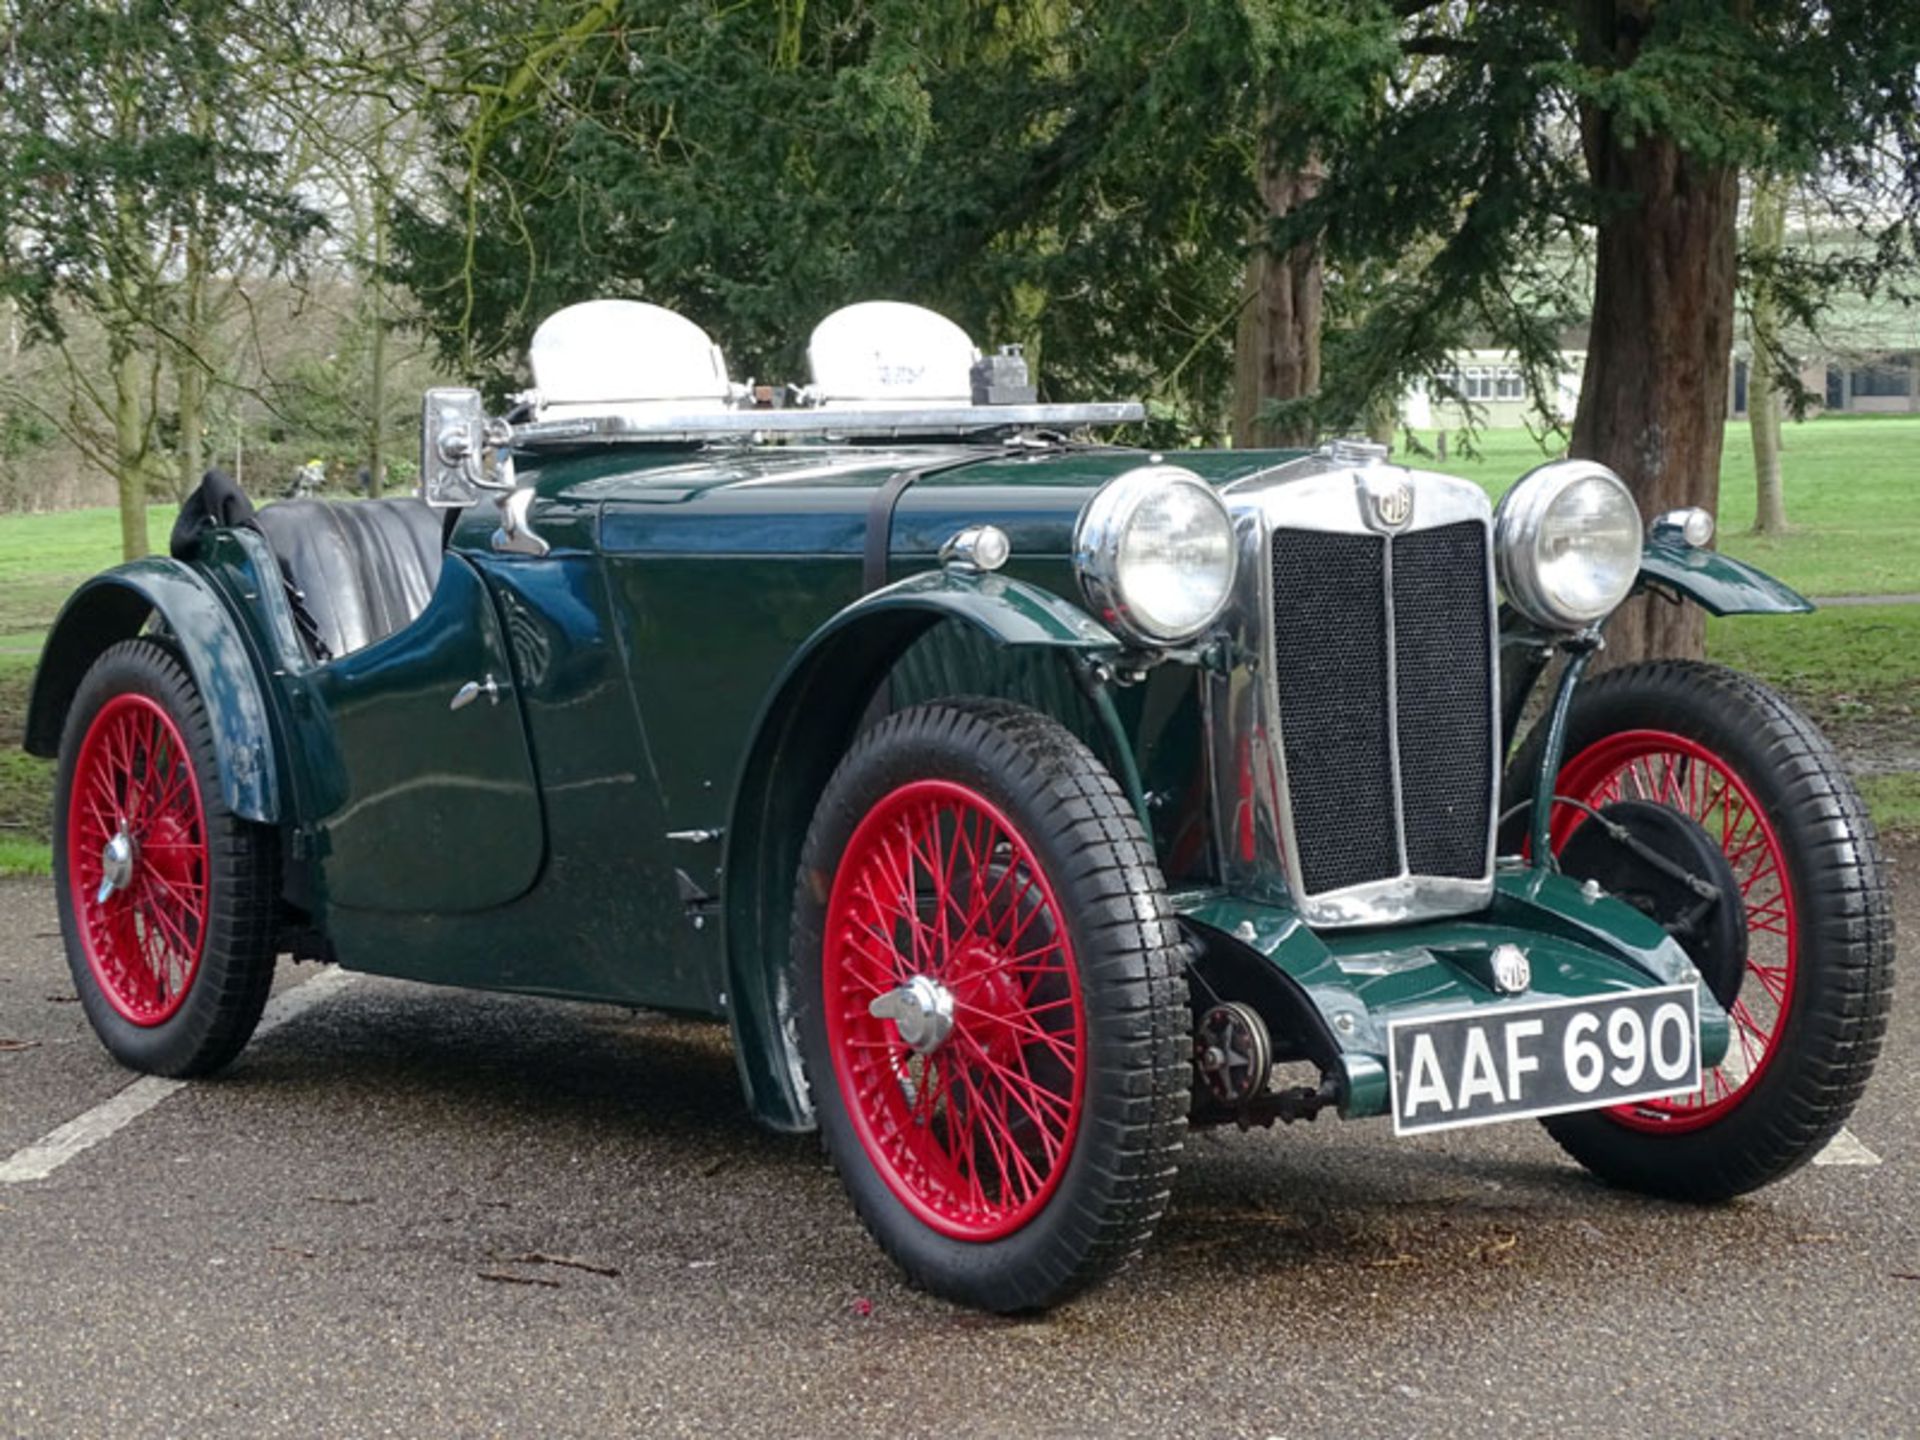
x=473, y=690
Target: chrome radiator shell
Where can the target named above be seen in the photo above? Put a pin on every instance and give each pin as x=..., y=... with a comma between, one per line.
x=1255, y=809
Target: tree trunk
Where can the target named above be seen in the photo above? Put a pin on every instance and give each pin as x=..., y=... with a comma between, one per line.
x=377, y=400
x=191, y=386
x=1276, y=353
x=129, y=445
x=1653, y=404
x=190, y=354
x=1766, y=233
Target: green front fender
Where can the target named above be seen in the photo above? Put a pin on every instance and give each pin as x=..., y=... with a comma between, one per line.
x=1346, y=986
x=806, y=723
x=115, y=606
x=1719, y=584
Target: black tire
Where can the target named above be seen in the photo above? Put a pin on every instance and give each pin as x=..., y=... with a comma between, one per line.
x=217, y=873
x=1787, y=1097
x=1101, y=894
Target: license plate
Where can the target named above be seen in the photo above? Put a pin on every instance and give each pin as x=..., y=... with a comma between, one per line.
x=1477, y=1066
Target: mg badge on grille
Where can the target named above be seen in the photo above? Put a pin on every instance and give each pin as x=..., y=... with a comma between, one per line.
x=1386, y=502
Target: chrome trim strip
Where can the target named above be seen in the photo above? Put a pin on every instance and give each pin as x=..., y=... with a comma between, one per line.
x=656, y=426
x=1393, y=701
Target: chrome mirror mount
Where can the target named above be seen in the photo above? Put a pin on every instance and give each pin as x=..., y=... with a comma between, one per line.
x=463, y=452
x=516, y=535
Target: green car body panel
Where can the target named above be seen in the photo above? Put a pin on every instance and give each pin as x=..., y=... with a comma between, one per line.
x=676, y=678
x=208, y=634
x=1717, y=583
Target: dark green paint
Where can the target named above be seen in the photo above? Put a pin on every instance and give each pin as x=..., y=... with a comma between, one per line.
x=1352, y=982
x=605, y=920
x=1547, y=770
x=438, y=810
x=114, y=606
x=679, y=677
x=1719, y=584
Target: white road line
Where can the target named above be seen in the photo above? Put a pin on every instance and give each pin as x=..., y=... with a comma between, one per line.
x=1846, y=1149
x=83, y=1132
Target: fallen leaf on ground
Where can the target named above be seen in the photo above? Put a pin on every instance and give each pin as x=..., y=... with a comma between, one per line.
x=11, y=1045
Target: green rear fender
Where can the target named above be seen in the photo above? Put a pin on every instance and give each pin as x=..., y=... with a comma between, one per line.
x=809, y=718
x=116, y=606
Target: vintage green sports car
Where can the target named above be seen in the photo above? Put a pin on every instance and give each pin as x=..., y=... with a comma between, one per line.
x=1017, y=800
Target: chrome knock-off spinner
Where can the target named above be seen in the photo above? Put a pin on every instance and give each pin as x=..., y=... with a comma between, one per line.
x=921, y=1009
x=117, y=858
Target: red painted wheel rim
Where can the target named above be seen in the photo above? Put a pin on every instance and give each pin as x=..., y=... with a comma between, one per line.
x=973, y=1136
x=1687, y=776
x=143, y=939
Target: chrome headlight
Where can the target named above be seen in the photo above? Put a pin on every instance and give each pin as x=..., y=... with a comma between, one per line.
x=1566, y=541
x=1154, y=549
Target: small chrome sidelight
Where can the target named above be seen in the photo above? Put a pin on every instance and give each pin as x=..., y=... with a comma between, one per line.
x=977, y=549
x=1690, y=525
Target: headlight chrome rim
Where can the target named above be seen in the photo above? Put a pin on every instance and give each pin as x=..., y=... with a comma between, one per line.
x=1518, y=528
x=1098, y=542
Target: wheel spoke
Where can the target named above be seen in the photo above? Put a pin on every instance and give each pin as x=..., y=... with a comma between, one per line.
x=1688, y=777
x=133, y=782
x=936, y=888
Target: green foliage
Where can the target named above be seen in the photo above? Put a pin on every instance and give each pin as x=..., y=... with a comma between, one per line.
x=1470, y=195
x=1076, y=179
x=104, y=170
x=1082, y=178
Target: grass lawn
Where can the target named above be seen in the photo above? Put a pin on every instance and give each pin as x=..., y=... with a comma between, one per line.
x=1852, y=491
x=42, y=559
x=1856, y=670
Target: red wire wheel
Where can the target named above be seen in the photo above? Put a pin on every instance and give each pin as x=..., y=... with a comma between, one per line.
x=990, y=1003
x=971, y=1130
x=1808, y=991
x=169, y=902
x=1685, y=775
x=137, y=859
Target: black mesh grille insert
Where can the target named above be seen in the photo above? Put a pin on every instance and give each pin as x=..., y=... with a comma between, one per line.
x=1330, y=665
x=1441, y=640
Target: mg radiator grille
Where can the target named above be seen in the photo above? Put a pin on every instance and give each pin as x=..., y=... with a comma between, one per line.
x=1330, y=663
x=1367, y=662
x=1442, y=635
